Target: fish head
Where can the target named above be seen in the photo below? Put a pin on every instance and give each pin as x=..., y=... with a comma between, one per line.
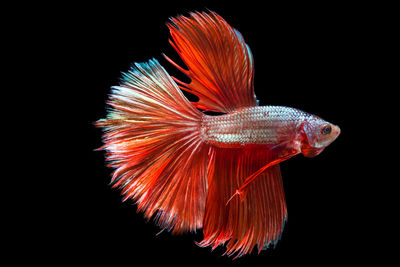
x=317, y=134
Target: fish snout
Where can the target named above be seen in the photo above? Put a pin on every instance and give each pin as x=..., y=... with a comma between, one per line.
x=335, y=132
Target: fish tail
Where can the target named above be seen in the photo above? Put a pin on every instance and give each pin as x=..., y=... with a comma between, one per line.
x=152, y=140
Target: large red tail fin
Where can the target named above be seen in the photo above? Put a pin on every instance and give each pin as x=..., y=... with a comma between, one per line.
x=152, y=139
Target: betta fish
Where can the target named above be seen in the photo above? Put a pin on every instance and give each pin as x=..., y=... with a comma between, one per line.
x=189, y=170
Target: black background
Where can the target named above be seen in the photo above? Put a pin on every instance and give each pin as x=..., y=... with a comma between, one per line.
x=306, y=56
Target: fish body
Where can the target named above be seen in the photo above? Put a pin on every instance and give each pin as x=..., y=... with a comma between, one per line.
x=272, y=126
x=195, y=171
x=260, y=125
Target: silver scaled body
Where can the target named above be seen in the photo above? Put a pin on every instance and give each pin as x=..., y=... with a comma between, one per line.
x=259, y=125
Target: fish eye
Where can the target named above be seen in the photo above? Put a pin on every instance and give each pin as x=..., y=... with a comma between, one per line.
x=326, y=129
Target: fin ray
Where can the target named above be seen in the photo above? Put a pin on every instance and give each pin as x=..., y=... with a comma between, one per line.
x=220, y=64
x=256, y=221
x=151, y=128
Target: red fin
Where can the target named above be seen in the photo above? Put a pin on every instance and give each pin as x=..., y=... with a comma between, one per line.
x=243, y=188
x=259, y=218
x=152, y=140
x=219, y=61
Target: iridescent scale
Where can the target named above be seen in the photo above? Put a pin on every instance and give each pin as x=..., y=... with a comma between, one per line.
x=260, y=125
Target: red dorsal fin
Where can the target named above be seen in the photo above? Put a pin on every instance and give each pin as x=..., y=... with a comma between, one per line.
x=220, y=62
x=259, y=218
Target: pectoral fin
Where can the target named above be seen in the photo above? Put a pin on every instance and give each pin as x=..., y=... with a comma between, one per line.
x=243, y=189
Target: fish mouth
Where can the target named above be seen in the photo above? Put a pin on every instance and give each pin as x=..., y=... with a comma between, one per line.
x=335, y=131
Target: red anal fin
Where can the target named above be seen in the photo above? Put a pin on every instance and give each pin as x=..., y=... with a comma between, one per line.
x=257, y=220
